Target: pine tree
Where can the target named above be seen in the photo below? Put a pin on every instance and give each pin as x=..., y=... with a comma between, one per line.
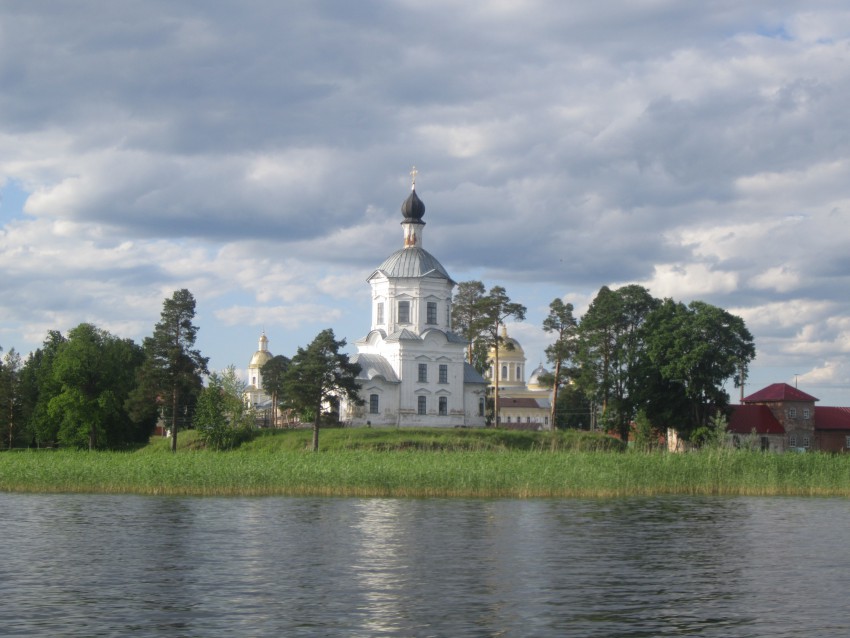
x=173, y=368
x=320, y=374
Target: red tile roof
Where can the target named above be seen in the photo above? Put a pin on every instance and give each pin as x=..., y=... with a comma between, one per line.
x=832, y=418
x=746, y=418
x=778, y=392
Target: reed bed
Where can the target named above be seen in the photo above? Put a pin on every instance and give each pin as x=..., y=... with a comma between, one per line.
x=417, y=473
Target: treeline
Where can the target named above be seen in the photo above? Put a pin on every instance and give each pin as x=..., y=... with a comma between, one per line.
x=631, y=358
x=91, y=389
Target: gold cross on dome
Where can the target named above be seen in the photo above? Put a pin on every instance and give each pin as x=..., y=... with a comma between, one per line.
x=413, y=174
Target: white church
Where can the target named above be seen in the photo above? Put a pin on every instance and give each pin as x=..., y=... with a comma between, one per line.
x=413, y=369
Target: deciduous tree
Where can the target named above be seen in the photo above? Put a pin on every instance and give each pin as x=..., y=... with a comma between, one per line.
x=221, y=416
x=38, y=387
x=697, y=348
x=96, y=372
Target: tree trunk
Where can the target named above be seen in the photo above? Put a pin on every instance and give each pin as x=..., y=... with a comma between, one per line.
x=174, y=418
x=316, y=428
x=496, y=372
x=554, y=404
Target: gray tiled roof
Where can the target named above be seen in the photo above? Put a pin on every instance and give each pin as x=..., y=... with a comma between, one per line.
x=470, y=375
x=374, y=365
x=412, y=262
x=402, y=334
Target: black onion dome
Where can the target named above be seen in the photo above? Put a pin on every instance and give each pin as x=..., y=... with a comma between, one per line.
x=413, y=209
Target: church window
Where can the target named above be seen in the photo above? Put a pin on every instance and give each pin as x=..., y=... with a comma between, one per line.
x=432, y=312
x=404, y=312
x=373, y=404
x=444, y=406
x=422, y=404
x=504, y=373
x=518, y=373
x=444, y=373
x=380, y=318
x=423, y=373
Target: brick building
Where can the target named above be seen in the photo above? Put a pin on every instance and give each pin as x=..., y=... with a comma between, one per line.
x=785, y=418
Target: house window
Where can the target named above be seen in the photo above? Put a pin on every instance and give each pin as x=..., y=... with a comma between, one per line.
x=423, y=373
x=792, y=412
x=432, y=312
x=422, y=404
x=373, y=404
x=806, y=413
x=545, y=420
x=481, y=413
x=806, y=442
x=509, y=419
x=765, y=444
x=444, y=406
x=380, y=319
x=793, y=440
x=444, y=373
x=528, y=419
x=404, y=312
x=847, y=442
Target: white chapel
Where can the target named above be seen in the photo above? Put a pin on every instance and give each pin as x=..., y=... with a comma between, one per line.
x=413, y=369
x=254, y=394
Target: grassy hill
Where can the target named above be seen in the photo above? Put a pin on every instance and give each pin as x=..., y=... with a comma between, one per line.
x=394, y=439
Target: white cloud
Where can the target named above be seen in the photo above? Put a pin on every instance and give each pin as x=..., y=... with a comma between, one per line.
x=259, y=156
x=689, y=281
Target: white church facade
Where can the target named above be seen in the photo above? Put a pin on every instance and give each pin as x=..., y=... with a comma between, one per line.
x=413, y=367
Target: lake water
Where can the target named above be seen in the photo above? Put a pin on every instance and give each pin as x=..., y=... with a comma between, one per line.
x=93, y=565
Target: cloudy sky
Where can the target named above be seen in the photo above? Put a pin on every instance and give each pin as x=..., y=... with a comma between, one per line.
x=257, y=153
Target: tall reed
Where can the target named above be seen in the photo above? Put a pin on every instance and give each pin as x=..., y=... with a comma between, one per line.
x=416, y=473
